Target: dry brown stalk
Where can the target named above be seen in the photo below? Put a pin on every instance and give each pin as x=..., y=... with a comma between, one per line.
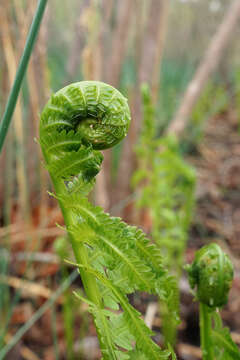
x=208, y=65
x=189, y=350
x=78, y=42
x=28, y=354
x=150, y=314
x=153, y=39
x=28, y=288
x=94, y=64
x=149, y=67
x=42, y=77
x=161, y=35
x=91, y=53
x=105, y=35
x=10, y=58
x=23, y=22
x=34, y=234
x=119, y=41
x=25, y=352
x=18, y=226
x=104, y=180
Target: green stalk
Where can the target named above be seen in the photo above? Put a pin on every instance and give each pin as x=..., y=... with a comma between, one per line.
x=8, y=176
x=89, y=281
x=79, y=250
x=206, y=333
x=12, y=99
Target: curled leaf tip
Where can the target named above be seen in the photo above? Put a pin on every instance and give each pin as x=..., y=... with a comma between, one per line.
x=211, y=273
x=96, y=111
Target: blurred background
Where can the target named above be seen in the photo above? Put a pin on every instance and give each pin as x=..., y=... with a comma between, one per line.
x=188, y=52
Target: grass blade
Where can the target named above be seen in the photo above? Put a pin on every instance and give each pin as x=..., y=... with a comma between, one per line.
x=12, y=99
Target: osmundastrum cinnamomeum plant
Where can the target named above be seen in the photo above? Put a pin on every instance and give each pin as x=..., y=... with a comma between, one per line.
x=211, y=273
x=166, y=187
x=114, y=259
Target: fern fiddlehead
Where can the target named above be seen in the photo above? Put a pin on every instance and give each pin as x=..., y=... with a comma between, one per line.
x=114, y=259
x=212, y=273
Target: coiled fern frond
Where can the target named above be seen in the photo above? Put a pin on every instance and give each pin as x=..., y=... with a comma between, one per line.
x=211, y=273
x=114, y=259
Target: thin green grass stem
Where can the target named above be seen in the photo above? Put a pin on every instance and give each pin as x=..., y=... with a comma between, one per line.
x=13, y=96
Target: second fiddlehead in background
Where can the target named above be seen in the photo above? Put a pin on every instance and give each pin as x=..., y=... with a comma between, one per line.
x=212, y=273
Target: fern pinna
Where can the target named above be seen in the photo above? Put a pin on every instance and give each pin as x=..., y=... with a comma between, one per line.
x=114, y=259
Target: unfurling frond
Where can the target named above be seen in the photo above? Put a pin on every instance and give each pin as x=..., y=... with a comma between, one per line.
x=114, y=259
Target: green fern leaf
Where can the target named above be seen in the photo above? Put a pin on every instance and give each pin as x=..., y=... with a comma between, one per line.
x=115, y=238
x=55, y=142
x=225, y=347
x=132, y=317
x=84, y=161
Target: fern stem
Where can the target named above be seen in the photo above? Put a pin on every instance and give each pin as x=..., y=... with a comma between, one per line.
x=12, y=100
x=80, y=252
x=206, y=332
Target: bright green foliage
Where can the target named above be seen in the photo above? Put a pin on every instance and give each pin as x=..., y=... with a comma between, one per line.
x=114, y=259
x=224, y=346
x=167, y=189
x=96, y=112
x=211, y=273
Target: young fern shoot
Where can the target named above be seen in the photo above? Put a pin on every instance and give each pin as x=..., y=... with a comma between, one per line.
x=114, y=259
x=211, y=273
x=166, y=183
